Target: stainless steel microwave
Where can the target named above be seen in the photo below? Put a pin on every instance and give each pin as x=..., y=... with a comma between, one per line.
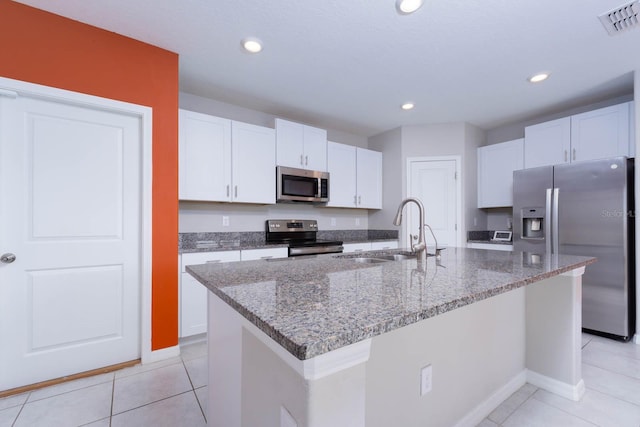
x=301, y=185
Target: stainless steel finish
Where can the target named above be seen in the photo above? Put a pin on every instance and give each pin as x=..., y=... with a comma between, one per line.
x=591, y=204
x=355, y=200
x=282, y=225
x=547, y=229
x=308, y=250
x=555, y=225
x=529, y=192
x=227, y=190
x=306, y=160
x=7, y=258
x=359, y=200
x=235, y=191
x=319, y=175
x=419, y=248
x=301, y=160
x=370, y=260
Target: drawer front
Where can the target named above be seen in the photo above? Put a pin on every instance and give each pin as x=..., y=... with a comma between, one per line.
x=205, y=257
x=356, y=247
x=253, y=254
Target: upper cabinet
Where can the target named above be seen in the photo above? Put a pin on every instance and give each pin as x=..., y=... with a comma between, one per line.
x=301, y=146
x=547, y=143
x=496, y=164
x=592, y=135
x=355, y=177
x=225, y=161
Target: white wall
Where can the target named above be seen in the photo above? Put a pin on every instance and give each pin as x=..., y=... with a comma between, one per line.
x=207, y=217
x=446, y=139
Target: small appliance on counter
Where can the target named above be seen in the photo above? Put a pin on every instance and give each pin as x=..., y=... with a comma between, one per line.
x=300, y=235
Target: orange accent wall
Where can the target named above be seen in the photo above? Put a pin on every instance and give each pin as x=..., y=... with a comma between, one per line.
x=43, y=48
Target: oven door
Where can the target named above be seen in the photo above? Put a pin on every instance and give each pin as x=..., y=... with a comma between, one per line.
x=300, y=185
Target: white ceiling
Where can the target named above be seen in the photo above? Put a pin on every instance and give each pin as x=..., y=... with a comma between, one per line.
x=349, y=64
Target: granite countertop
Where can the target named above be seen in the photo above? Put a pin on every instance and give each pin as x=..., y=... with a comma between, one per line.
x=312, y=305
x=491, y=242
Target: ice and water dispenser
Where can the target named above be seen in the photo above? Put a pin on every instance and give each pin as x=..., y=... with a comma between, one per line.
x=533, y=223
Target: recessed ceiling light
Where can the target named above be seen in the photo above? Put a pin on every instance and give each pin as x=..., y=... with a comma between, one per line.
x=406, y=7
x=407, y=106
x=539, y=77
x=252, y=45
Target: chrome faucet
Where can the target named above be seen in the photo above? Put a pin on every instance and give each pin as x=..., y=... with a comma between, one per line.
x=420, y=247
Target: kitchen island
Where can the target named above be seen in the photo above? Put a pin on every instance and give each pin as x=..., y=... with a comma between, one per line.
x=333, y=341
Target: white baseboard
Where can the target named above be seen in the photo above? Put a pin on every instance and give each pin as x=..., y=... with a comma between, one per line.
x=481, y=411
x=636, y=339
x=569, y=391
x=162, y=354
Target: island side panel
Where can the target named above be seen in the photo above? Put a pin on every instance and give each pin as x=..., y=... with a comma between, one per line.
x=477, y=354
x=554, y=324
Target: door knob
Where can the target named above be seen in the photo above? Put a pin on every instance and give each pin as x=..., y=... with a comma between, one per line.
x=7, y=258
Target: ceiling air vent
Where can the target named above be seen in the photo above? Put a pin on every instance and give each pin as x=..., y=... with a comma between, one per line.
x=621, y=18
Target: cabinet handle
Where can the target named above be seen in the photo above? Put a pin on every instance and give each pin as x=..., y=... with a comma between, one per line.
x=306, y=160
x=212, y=261
x=227, y=190
x=358, y=250
x=266, y=257
x=565, y=156
x=574, y=154
x=301, y=159
x=359, y=200
x=235, y=191
x=355, y=200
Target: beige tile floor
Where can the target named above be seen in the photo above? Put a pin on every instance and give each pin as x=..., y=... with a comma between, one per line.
x=172, y=393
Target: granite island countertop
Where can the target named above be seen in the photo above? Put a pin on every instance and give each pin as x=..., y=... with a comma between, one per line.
x=313, y=305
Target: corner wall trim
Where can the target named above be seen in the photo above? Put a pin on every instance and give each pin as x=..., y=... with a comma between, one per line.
x=573, y=392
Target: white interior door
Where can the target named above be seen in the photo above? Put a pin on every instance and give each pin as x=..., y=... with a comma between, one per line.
x=434, y=182
x=70, y=211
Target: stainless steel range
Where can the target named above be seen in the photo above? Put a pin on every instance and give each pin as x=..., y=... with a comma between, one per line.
x=300, y=235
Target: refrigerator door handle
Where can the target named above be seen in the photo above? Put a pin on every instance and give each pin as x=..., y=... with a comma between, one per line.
x=547, y=226
x=555, y=225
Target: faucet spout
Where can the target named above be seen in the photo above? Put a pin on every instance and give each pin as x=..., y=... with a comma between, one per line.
x=419, y=247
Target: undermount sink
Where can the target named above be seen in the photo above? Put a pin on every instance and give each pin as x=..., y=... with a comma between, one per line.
x=396, y=257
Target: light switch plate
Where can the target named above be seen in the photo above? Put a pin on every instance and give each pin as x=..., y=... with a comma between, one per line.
x=426, y=376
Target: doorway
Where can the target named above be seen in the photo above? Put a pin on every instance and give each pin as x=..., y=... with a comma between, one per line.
x=436, y=182
x=75, y=216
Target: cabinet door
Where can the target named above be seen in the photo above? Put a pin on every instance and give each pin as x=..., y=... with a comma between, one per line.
x=253, y=164
x=204, y=157
x=356, y=247
x=341, y=162
x=315, y=149
x=496, y=164
x=369, y=178
x=289, y=143
x=193, y=295
x=268, y=253
x=547, y=143
x=600, y=133
x=390, y=244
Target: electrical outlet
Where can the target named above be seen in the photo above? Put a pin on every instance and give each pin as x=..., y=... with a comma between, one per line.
x=225, y=221
x=333, y=222
x=357, y=221
x=426, y=376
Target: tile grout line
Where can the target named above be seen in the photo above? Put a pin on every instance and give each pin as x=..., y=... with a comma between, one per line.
x=519, y=406
x=15, y=420
x=113, y=395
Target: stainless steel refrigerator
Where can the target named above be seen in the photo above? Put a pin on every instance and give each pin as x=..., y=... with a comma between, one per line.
x=584, y=208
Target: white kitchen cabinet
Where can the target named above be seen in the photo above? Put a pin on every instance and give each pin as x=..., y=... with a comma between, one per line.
x=193, y=295
x=266, y=253
x=547, y=143
x=253, y=160
x=301, y=146
x=369, y=178
x=591, y=135
x=600, y=133
x=356, y=247
x=355, y=177
x=382, y=245
x=225, y=161
x=490, y=246
x=204, y=157
x=496, y=164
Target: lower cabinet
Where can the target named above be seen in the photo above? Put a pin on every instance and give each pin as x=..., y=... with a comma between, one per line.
x=370, y=246
x=193, y=295
x=490, y=246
